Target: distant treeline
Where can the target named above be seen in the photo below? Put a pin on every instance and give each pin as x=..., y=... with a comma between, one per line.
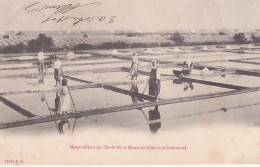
x=22, y=48
x=46, y=43
x=35, y=45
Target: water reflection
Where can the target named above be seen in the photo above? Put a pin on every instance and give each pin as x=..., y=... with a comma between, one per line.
x=187, y=84
x=134, y=93
x=153, y=116
x=41, y=80
x=63, y=126
x=57, y=103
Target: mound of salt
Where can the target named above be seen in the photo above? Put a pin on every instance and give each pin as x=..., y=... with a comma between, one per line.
x=206, y=71
x=149, y=51
x=227, y=47
x=115, y=52
x=176, y=49
x=71, y=55
x=204, y=48
x=25, y=57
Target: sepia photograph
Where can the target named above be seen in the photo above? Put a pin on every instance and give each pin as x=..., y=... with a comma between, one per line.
x=137, y=82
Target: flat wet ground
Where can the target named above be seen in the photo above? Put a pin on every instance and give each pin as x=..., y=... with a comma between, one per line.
x=213, y=112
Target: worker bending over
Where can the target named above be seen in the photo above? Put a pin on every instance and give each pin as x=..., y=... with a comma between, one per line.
x=187, y=67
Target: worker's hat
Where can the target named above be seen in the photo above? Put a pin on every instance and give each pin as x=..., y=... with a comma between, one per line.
x=154, y=62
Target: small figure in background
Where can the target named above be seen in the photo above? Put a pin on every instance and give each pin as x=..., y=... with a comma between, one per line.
x=187, y=67
x=134, y=67
x=40, y=61
x=57, y=70
x=155, y=80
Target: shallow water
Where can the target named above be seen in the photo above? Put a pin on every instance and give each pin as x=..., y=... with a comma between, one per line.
x=207, y=112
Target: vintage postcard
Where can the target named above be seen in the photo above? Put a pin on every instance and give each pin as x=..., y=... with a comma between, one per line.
x=107, y=82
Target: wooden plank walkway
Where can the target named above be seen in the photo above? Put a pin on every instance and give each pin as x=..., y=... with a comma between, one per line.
x=33, y=119
x=255, y=73
x=49, y=118
x=245, y=62
x=47, y=60
x=165, y=64
x=64, y=65
x=12, y=55
x=86, y=86
x=99, y=85
x=184, y=116
x=211, y=83
x=111, y=86
x=17, y=108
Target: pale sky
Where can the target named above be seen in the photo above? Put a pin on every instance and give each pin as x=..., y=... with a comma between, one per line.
x=144, y=15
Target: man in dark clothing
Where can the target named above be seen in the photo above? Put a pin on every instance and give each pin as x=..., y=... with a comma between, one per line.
x=154, y=81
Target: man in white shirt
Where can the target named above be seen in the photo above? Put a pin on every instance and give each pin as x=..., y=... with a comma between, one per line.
x=57, y=70
x=134, y=67
x=41, y=61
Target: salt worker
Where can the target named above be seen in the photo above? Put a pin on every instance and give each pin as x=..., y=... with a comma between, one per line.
x=134, y=67
x=63, y=107
x=187, y=67
x=64, y=97
x=57, y=70
x=40, y=61
x=155, y=80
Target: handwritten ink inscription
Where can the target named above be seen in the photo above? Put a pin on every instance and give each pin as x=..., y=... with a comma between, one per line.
x=61, y=13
